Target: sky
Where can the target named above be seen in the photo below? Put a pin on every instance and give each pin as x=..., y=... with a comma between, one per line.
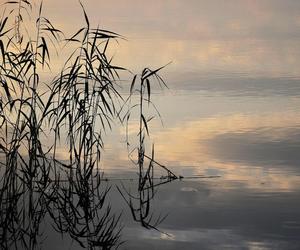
x=247, y=51
x=246, y=37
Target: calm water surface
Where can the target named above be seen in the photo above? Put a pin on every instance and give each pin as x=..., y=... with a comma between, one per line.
x=250, y=137
x=232, y=111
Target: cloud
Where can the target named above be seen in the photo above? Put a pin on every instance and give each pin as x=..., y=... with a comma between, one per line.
x=197, y=19
x=258, y=149
x=242, y=36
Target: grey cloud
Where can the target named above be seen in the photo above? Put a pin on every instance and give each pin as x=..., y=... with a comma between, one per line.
x=259, y=149
x=236, y=85
x=180, y=19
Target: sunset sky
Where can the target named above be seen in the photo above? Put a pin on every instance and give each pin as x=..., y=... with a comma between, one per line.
x=246, y=37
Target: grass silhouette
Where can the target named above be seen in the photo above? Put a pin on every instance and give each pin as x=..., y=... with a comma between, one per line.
x=35, y=183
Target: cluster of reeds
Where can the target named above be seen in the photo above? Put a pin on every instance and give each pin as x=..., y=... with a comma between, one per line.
x=33, y=182
x=25, y=167
x=81, y=100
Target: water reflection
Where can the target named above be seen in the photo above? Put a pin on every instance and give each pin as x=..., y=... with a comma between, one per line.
x=234, y=112
x=236, y=217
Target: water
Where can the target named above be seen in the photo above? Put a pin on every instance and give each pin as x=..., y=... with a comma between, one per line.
x=231, y=121
x=246, y=135
x=219, y=214
x=233, y=111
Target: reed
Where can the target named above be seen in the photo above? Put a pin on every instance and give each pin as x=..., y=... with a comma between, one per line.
x=35, y=184
x=140, y=202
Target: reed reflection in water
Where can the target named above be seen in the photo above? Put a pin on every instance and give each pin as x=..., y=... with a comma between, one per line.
x=232, y=114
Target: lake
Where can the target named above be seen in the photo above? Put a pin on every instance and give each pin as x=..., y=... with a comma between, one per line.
x=229, y=126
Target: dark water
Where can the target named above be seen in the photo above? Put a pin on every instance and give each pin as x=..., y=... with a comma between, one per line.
x=215, y=214
x=222, y=214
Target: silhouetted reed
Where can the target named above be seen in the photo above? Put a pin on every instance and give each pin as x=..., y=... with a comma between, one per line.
x=82, y=100
x=140, y=202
